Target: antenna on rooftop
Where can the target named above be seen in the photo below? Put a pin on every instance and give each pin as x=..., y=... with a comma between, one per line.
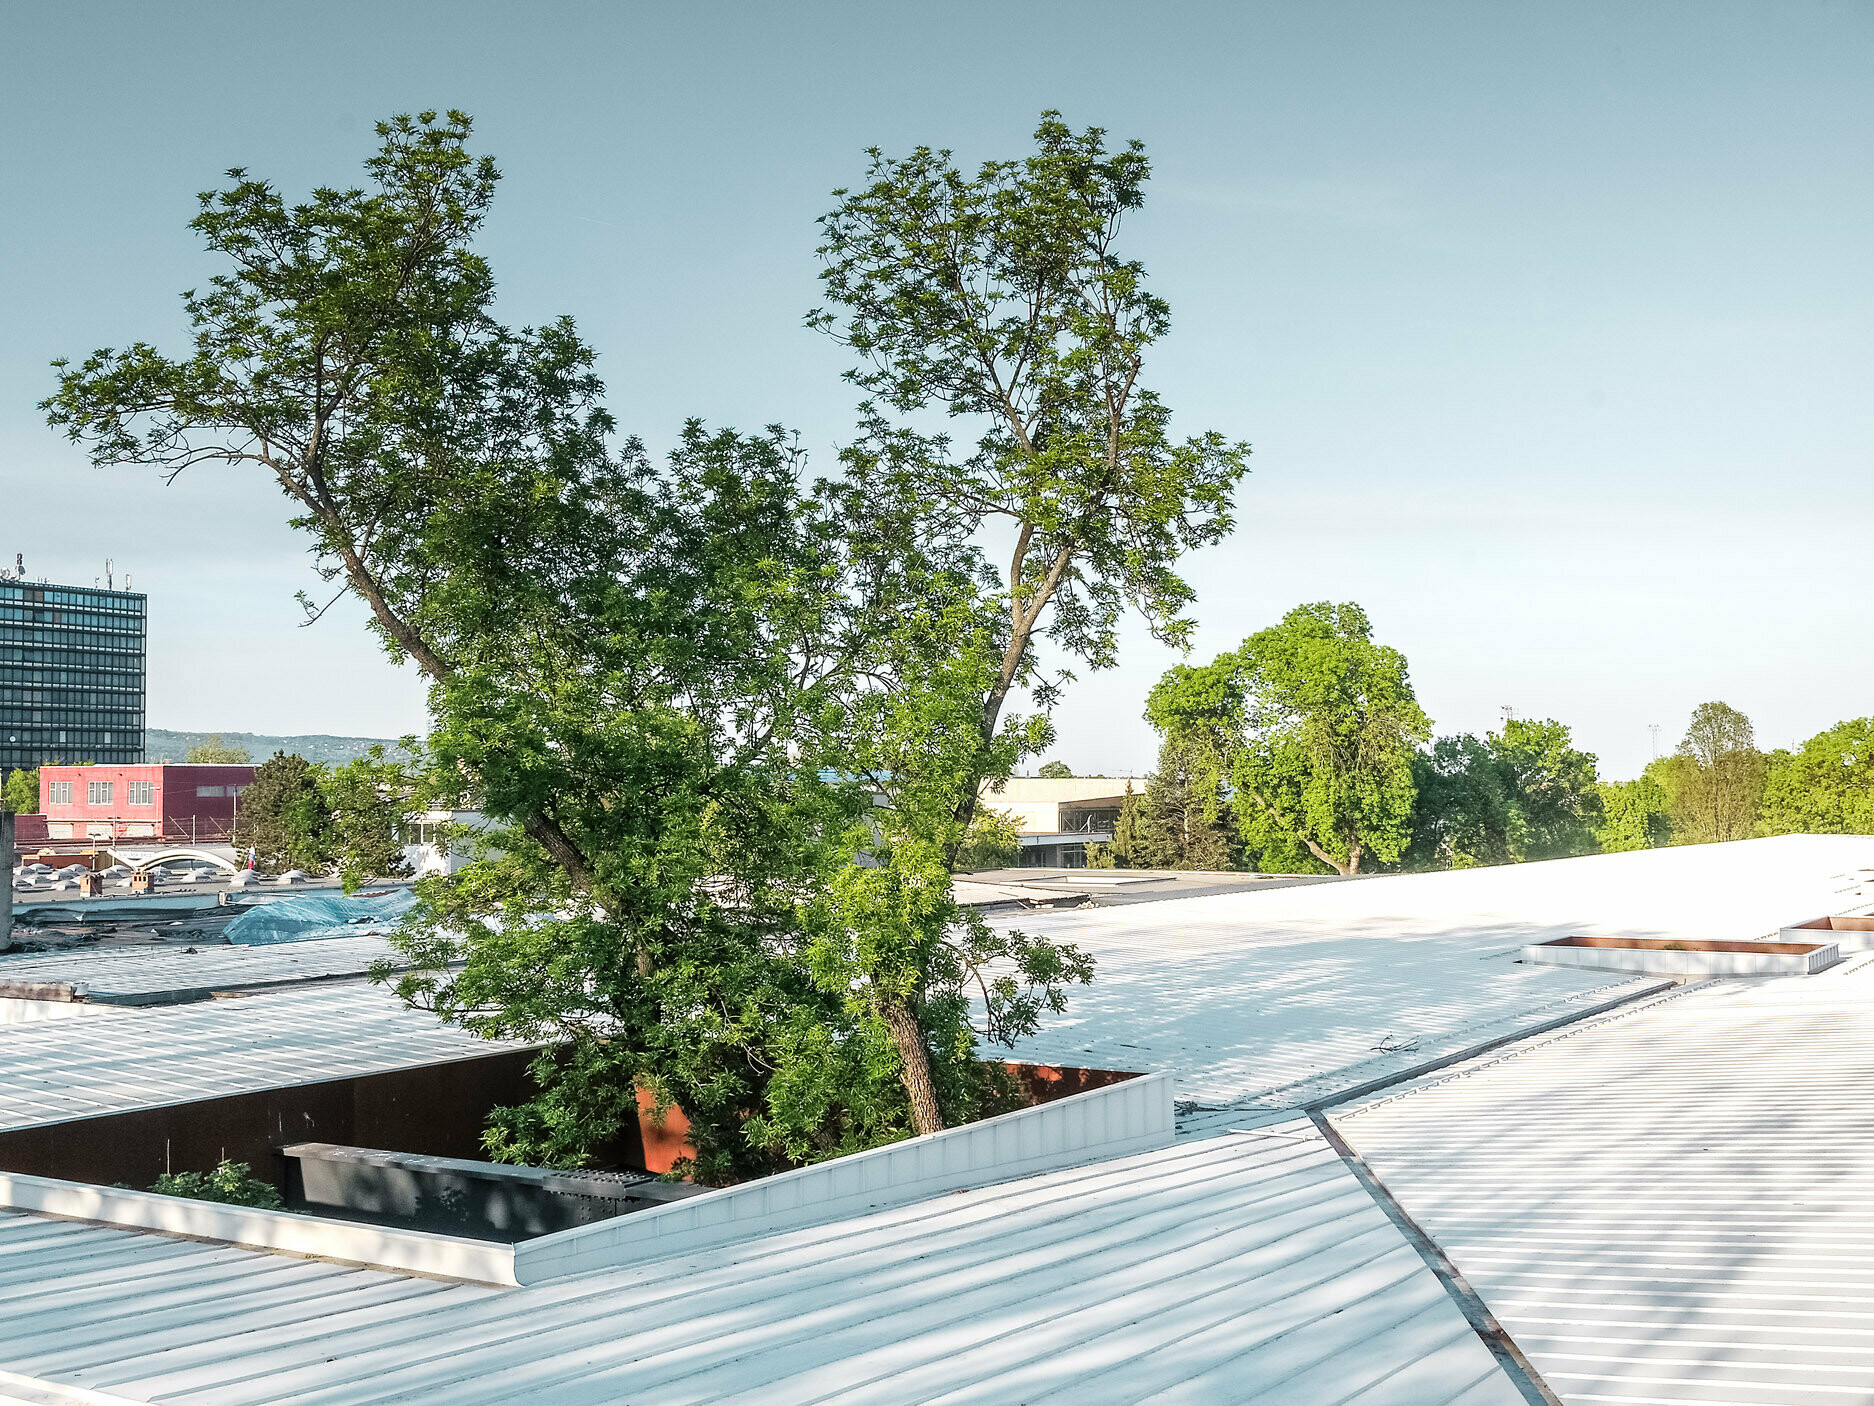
x=110, y=583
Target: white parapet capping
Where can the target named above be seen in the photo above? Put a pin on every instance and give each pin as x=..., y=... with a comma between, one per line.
x=1133, y=1116
x=1689, y=961
x=412, y=1251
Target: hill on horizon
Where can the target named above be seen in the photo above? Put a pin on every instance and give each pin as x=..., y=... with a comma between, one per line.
x=162, y=745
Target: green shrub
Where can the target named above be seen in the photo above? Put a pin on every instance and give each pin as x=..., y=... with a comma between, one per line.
x=231, y=1183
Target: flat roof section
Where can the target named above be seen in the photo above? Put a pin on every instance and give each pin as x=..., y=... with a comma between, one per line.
x=1242, y=1268
x=1673, y=1204
x=139, y=975
x=57, y=1071
x=1277, y=999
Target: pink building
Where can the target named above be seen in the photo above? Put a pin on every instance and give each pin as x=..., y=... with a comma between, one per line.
x=156, y=801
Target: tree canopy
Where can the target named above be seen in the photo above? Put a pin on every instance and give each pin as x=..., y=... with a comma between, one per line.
x=21, y=794
x=1824, y=788
x=1319, y=724
x=216, y=750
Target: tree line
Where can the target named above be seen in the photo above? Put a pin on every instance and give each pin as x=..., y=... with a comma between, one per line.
x=730, y=718
x=1306, y=751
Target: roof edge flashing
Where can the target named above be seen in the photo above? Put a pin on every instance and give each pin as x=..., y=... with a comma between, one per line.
x=403, y=1251
x=1094, y=1126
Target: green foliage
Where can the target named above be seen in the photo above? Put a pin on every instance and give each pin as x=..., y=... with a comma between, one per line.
x=1318, y=724
x=231, y=1183
x=993, y=841
x=1002, y=299
x=1635, y=815
x=1714, y=784
x=216, y=751
x=1523, y=793
x=643, y=672
x=370, y=801
x=1056, y=771
x=1183, y=820
x=21, y=795
x=1825, y=788
x=284, y=817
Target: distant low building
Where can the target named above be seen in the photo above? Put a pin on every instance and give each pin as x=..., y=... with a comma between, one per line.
x=194, y=802
x=1060, y=816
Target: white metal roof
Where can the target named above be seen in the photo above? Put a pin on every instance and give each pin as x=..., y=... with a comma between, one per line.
x=1239, y=1268
x=155, y=970
x=55, y=1071
x=1672, y=1205
x=1280, y=997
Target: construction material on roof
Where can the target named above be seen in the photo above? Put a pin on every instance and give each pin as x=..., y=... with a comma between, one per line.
x=1241, y=1268
x=1670, y=1204
x=310, y=916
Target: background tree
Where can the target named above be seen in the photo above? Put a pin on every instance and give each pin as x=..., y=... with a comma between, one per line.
x=1715, y=784
x=370, y=801
x=1634, y=815
x=1558, y=805
x=1183, y=819
x=217, y=751
x=1001, y=299
x=283, y=816
x=994, y=841
x=21, y=795
x=1525, y=792
x=1824, y=788
x=1465, y=813
x=1319, y=724
x=1055, y=771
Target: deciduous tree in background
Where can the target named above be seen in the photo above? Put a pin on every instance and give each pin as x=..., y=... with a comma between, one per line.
x=1824, y=788
x=283, y=816
x=1634, y=815
x=1001, y=298
x=370, y=801
x=1715, y=780
x=22, y=791
x=1056, y=771
x=1319, y=724
x=215, y=750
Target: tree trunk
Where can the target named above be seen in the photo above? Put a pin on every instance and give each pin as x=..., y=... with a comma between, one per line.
x=914, y=1064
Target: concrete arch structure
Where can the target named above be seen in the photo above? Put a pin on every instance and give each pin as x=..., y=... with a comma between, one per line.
x=141, y=857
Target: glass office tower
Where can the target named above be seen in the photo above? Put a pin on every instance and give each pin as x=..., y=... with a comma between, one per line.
x=71, y=674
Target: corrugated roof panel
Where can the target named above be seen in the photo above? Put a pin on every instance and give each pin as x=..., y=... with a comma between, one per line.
x=1247, y=1267
x=139, y=971
x=55, y=1071
x=1276, y=998
x=1670, y=1205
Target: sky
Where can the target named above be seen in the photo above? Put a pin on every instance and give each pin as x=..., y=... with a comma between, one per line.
x=1552, y=326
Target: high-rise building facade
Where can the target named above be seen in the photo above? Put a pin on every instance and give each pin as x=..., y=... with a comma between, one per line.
x=71, y=674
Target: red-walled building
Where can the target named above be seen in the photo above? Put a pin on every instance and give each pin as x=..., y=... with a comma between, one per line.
x=187, y=802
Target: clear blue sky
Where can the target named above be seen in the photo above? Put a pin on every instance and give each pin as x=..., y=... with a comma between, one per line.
x=1553, y=326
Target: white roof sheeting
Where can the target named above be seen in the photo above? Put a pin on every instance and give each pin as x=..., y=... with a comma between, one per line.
x=1243, y=1268
x=1277, y=998
x=154, y=971
x=1674, y=1204
x=57, y=1070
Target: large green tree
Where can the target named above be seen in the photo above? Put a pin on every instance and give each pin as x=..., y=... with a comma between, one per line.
x=1001, y=298
x=1319, y=723
x=371, y=801
x=1634, y=815
x=1183, y=818
x=641, y=670
x=284, y=817
x=1525, y=792
x=22, y=791
x=1714, y=782
x=1826, y=787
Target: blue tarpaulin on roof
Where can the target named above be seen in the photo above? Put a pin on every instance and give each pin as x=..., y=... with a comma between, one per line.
x=306, y=917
